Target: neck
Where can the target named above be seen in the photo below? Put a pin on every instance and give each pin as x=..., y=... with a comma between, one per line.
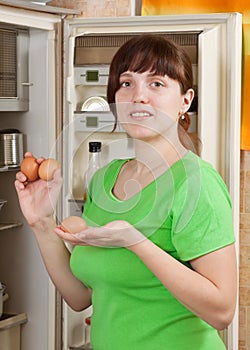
x=158, y=155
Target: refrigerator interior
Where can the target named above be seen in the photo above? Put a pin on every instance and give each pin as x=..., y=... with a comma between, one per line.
x=89, y=46
x=22, y=270
x=91, y=119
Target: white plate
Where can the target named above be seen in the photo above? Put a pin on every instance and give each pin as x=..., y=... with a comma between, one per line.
x=95, y=103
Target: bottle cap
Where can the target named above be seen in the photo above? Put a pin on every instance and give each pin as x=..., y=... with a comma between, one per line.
x=88, y=320
x=95, y=146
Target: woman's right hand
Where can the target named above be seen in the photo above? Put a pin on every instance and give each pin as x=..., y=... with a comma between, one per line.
x=38, y=198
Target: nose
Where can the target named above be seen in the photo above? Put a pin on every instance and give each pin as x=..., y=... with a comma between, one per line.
x=140, y=94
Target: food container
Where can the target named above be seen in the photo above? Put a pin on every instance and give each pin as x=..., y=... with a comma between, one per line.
x=11, y=147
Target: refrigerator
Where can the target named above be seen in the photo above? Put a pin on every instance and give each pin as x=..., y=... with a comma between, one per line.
x=61, y=81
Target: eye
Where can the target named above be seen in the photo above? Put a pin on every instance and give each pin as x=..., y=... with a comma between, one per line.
x=124, y=83
x=157, y=83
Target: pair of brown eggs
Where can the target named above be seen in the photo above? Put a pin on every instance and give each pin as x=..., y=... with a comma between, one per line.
x=33, y=171
x=45, y=171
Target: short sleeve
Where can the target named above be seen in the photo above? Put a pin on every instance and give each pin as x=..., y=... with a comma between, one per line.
x=202, y=215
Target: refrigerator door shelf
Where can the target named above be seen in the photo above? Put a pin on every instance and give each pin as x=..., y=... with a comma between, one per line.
x=10, y=331
x=91, y=75
x=95, y=122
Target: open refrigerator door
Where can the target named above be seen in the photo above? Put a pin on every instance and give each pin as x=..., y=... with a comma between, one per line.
x=89, y=45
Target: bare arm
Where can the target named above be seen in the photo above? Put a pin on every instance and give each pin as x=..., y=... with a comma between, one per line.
x=56, y=259
x=37, y=201
x=209, y=291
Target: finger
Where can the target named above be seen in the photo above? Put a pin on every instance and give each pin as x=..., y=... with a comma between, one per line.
x=40, y=160
x=118, y=224
x=21, y=177
x=28, y=154
x=60, y=232
x=19, y=185
x=66, y=236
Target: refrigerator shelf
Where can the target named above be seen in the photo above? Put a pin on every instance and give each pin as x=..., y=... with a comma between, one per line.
x=8, y=225
x=9, y=168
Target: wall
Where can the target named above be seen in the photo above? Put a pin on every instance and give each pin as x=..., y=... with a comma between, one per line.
x=96, y=8
x=244, y=322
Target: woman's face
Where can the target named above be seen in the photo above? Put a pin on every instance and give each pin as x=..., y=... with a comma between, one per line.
x=148, y=104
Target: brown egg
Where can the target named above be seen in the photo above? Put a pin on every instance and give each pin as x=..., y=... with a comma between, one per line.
x=47, y=169
x=73, y=224
x=29, y=167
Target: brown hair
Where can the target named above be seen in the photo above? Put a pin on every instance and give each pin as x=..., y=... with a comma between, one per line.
x=154, y=53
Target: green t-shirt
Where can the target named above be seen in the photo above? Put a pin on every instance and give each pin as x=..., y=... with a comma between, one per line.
x=187, y=212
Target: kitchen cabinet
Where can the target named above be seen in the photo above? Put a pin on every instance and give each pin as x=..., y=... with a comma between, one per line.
x=49, y=129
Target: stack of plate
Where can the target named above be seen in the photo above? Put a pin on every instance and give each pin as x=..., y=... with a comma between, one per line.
x=95, y=103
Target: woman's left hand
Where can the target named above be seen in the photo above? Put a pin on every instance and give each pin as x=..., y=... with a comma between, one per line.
x=117, y=233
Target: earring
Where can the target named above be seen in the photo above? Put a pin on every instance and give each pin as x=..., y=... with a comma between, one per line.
x=184, y=121
x=180, y=114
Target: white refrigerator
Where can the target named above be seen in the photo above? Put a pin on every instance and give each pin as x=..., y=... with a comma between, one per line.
x=55, y=124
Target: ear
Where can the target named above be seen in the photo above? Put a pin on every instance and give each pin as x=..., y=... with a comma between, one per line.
x=187, y=100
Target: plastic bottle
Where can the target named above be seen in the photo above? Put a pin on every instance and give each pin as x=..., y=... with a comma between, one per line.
x=95, y=148
x=87, y=344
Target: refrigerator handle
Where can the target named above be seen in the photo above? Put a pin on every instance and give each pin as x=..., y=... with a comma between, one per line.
x=69, y=85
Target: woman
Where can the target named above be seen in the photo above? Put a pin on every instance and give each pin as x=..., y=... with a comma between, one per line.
x=158, y=258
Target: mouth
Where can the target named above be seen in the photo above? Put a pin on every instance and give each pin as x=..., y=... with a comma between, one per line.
x=140, y=115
